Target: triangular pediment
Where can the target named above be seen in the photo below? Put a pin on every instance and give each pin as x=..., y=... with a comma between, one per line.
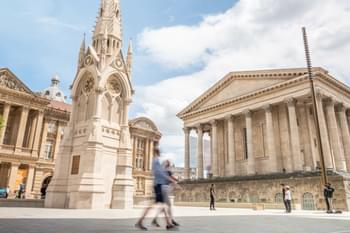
x=236, y=84
x=10, y=81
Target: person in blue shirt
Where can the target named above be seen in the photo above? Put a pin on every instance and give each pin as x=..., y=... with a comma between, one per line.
x=161, y=177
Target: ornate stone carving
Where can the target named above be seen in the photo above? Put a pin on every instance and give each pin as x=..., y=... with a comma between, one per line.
x=10, y=82
x=143, y=124
x=88, y=60
x=89, y=85
x=247, y=113
x=113, y=86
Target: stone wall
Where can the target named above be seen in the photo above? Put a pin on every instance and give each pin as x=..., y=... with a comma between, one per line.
x=307, y=192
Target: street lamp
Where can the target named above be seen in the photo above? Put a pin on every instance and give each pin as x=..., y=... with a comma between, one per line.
x=315, y=107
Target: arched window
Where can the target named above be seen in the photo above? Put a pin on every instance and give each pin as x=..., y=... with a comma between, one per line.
x=58, y=94
x=47, y=93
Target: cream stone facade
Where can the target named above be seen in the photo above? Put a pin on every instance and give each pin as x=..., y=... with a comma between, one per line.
x=145, y=137
x=94, y=168
x=261, y=122
x=30, y=136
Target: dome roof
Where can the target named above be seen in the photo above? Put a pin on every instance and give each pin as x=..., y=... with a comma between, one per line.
x=54, y=92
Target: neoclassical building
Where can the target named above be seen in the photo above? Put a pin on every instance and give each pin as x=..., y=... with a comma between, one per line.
x=30, y=136
x=261, y=123
x=144, y=137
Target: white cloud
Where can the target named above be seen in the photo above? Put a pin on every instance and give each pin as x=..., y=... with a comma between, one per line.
x=253, y=34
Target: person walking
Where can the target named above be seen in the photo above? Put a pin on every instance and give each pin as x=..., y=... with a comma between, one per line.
x=288, y=199
x=160, y=178
x=166, y=190
x=212, y=197
x=7, y=192
x=284, y=196
x=328, y=196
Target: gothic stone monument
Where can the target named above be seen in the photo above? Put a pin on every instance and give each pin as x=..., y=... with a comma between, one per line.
x=94, y=166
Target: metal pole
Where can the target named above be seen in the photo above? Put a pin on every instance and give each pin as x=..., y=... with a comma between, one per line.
x=315, y=108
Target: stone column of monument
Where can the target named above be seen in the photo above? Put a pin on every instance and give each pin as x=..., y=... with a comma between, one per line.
x=5, y=115
x=231, y=145
x=270, y=139
x=187, y=153
x=200, y=165
x=214, y=144
x=294, y=136
x=334, y=136
x=249, y=128
x=22, y=127
x=323, y=131
x=344, y=127
x=305, y=137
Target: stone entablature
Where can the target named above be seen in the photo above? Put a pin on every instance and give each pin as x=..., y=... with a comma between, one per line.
x=30, y=137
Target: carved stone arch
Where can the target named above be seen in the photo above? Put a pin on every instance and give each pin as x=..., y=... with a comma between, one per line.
x=89, y=73
x=124, y=82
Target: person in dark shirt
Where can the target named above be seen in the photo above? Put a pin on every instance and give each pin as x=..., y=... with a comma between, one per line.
x=284, y=196
x=328, y=196
x=212, y=197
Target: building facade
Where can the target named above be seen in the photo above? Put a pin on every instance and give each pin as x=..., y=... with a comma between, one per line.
x=145, y=136
x=30, y=135
x=261, y=123
x=94, y=168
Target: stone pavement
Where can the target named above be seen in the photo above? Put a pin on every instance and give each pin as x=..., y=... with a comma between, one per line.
x=18, y=220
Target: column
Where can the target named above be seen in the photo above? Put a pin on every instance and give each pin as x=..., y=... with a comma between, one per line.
x=345, y=134
x=287, y=162
x=146, y=162
x=200, y=164
x=39, y=126
x=304, y=137
x=214, y=165
x=22, y=127
x=271, y=147
x=249, y=136
x=294, y=135
x=231, y=145
x=58, y=140
x=30, y=179
x=150, y=154
x=43, y=139
x=187, y=153
x=334, y=136
x=324, y=132
x=312, y=135
x=5, y=115
x=34, y=122
x=13, y=176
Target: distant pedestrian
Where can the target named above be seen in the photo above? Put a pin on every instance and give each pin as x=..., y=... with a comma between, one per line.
x=161, y=177
x=284, y=196
x=328, y=196
x=21, y=191
x=288, y=199
x=212, y=197
x=7, y=192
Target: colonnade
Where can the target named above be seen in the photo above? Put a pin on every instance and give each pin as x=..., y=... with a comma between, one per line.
x=296, y=135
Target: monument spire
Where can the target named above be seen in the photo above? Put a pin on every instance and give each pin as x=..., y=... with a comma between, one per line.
x=109, y=19
x=129, y=59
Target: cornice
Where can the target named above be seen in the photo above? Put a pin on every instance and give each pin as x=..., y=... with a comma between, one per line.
x=275, y=74
x=248, y=96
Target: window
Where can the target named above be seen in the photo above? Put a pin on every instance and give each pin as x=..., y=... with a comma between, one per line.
x=47, y=93
x=52, y=127
x=140, y=153
x=75, y=165
x=245, y=143
x=58, y=94
x=48, y=153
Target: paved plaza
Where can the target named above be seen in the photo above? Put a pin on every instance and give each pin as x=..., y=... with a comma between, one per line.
x=17, y=220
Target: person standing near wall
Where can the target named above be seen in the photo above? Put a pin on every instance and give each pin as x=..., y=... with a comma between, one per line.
x=328, y=196
x=284, y=196
x=288, y=199
x=212, y=197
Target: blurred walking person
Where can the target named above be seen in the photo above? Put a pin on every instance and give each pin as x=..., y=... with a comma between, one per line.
x=161, y=178
x=288, y=199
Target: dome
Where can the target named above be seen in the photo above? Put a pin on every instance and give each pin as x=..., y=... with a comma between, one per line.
x=54, y=92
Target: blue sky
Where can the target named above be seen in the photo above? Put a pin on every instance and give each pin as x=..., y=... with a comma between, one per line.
x=182, y=47
x=42, y=37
